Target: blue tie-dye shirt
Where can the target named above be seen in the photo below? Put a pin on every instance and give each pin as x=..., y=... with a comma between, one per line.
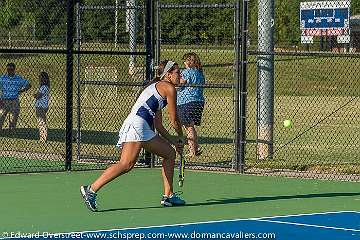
x=11, y=86
x=191, y=94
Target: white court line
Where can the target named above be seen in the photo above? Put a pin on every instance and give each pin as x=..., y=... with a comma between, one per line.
x=310, y=225
x=304, y=214
x=216, y=221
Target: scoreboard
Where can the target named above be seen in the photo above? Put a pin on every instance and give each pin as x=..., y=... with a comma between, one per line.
x=325, y=18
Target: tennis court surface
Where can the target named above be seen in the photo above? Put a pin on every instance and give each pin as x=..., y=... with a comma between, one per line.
x=219, y=206
x=331, y=225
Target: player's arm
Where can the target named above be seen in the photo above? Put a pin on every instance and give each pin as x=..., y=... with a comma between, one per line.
x=161, y=129
x=171, y=100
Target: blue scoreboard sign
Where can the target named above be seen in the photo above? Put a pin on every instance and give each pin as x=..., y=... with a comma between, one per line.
x=325, y=18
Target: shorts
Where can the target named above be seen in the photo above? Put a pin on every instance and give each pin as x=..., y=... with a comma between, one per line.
x=135, y=129
x=190, y=113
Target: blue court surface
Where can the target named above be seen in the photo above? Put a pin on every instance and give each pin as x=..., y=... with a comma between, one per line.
x=343, y=225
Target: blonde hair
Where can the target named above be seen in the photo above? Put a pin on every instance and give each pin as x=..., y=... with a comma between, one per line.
x=193, y=60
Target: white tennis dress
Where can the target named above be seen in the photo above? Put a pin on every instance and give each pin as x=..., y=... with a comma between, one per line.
x=138, y=126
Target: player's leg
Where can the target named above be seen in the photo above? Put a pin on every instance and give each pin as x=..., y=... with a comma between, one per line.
x=162, y=148
x=129, y=155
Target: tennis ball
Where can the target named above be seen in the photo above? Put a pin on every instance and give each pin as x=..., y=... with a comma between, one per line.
x=288, y=123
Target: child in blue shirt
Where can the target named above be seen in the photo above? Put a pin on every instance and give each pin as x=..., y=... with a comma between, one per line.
x=190, y=100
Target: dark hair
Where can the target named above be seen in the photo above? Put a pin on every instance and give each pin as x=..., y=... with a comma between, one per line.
x=12, y=65
x=159, y=71
x=44, y=79
x=161, y=67
x=193, y=60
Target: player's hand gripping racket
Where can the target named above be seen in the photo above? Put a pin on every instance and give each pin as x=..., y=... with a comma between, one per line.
x=181, y=170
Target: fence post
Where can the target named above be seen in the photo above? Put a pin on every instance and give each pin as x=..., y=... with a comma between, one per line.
x=237, y=85
x=149, y=158
x=78, y=97
x=265, y=81
x=241, y=88
x=243, y=84
x=69, y=82
x=148, y=40
x=158, y=33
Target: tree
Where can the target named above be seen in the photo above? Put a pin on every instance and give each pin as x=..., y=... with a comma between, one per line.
x=98, y=25
x=287, y=23
x=355, y=7
x=10, y=14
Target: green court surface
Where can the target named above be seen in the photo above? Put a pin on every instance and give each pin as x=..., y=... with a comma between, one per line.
x=51, y=202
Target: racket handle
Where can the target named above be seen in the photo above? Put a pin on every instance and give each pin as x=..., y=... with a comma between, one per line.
x=181, y=171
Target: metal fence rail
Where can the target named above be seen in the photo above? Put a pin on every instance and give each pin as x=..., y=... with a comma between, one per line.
x=257, y=72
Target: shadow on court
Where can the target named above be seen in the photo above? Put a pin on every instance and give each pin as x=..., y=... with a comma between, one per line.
x=58, y=135
x=87, y=136
x=211, y=202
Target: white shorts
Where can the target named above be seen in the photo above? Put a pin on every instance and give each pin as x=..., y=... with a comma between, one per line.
x=135, y=129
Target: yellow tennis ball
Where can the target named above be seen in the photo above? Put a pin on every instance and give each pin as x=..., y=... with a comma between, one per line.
x=288, y=123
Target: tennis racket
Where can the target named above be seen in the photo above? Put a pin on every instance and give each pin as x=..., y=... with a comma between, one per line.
x=181, y=170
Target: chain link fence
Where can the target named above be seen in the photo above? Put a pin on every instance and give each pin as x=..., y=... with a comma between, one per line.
x=107, y=70
x=208, y=30
x=303, y=95
x=258, y=73
x=108, y=82
x=30, y=44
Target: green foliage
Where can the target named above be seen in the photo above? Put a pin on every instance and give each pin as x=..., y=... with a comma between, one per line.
x=98, y=25
x=10, y=14
x=355, y=7
x=46, y=20
x=197, y=25
x=287, y=21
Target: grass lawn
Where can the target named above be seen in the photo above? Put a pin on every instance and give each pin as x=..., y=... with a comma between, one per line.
x=319, y=94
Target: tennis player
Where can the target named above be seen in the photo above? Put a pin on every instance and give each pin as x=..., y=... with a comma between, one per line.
x=137, y=133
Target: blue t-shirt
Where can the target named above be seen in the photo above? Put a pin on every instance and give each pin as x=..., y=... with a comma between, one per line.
x=191, y=94
x=11, y=86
